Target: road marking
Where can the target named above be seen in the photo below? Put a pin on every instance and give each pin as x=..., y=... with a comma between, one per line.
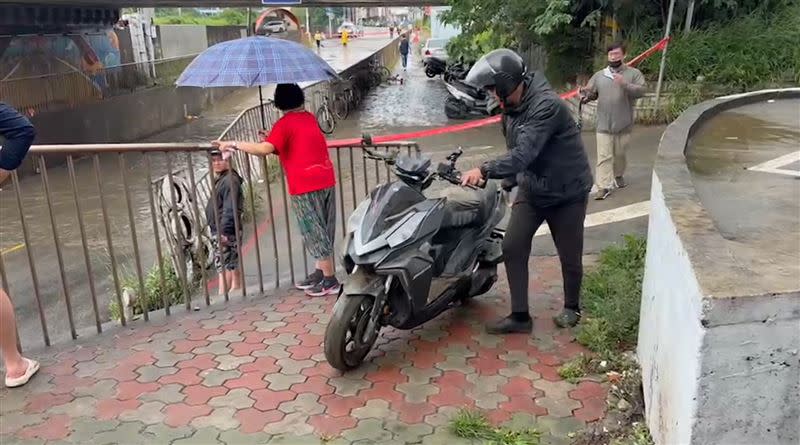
x=773, y=165
x=12, y=249
x=609, y=216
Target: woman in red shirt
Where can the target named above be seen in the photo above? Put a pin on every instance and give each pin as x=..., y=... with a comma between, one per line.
x=303, y=153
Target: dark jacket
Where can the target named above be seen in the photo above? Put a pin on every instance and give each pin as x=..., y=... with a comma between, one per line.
x=546, y=154
x=224, y=185
x=404, y=47
x=18, y=133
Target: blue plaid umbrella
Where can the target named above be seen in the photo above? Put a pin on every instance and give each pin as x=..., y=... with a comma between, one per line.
x=255, y=61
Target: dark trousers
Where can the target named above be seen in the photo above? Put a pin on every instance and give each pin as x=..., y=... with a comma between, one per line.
x=566, y=227
x=404, y=58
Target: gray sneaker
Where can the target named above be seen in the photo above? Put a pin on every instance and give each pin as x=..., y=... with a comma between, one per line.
x=620, y=182
x=602, y=194
x=567, y=318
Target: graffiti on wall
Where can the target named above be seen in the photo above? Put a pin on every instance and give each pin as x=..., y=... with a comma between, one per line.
x=38, y=55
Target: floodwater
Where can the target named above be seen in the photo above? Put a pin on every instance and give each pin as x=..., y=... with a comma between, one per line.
x=745, y=165
x=391, y=108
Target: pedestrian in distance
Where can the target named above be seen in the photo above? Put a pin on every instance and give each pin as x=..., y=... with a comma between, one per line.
x=616, y=89
x=303, y=153
x=547, y=160
x=404, y=49
x=391, y=31
x=225, y=206
x=18, y=134
x=318, y=39
x=345, y=37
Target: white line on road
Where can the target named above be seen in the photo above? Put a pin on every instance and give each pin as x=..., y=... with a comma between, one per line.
x=771, y=166
x=609, y=216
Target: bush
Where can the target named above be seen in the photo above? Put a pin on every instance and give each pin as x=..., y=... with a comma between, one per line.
x=155, y=293
x=611, y=298
x=743, y=54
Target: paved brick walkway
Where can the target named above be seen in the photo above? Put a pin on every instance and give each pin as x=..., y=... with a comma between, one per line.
x=254, y=372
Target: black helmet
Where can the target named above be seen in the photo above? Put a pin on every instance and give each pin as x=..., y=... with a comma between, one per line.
x=501, y=69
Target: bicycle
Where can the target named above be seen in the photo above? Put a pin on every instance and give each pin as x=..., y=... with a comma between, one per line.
x=325, y=116
x=378, y=73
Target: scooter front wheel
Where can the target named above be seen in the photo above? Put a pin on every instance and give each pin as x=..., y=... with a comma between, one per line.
x=348, y=337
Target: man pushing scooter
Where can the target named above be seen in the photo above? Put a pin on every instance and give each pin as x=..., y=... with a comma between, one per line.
x=547, y=159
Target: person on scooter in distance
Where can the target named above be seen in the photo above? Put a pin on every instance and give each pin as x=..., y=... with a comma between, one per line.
x=547, y=160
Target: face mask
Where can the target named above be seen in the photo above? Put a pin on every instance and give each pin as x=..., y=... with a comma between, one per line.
x=616, y=64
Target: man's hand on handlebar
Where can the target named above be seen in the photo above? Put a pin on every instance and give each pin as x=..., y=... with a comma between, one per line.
x=472, y=177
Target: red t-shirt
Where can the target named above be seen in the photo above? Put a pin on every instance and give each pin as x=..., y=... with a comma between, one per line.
x=303, y=152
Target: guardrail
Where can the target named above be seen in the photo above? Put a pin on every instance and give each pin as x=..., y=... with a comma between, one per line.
x=35, y=94
x=92, y=229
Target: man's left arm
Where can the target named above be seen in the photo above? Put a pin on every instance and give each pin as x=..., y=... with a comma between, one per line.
x=636, y=86
x=529, y=144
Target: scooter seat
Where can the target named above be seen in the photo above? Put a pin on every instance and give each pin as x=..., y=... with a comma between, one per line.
x=468, y=208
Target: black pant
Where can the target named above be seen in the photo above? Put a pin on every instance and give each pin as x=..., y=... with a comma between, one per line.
x=566, y=227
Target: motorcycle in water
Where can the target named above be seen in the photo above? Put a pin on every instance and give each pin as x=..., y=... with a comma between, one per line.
x=410, y=257
x=435, y=66
x=465, y=101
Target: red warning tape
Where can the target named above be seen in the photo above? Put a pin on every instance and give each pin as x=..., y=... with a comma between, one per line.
x=477, y=123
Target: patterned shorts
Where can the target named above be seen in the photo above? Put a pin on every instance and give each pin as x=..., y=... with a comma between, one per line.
x=316, y=217
x=226, y=257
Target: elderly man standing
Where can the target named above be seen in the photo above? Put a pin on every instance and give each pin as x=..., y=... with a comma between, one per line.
x=616, y=89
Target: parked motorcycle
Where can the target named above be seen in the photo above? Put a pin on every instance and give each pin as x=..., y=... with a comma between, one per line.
x=456, y=71
x=435, y=66
x=410, y=257
x=465, y=101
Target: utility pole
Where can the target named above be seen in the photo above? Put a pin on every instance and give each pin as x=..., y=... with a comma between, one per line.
x=664, y=54
x=689, y=17
x=249, y=22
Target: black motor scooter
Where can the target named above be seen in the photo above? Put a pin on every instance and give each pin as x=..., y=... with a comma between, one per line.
x=410, y=257
x=435, y=66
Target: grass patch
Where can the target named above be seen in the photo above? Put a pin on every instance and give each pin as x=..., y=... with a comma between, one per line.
x=637, y=435
x=611, y=298
x=611, y=301
x=253, y=200
x=599, y=364
x=154, y=292
x=474, y=425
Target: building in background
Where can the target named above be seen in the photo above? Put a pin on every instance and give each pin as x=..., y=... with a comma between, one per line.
x=441, y=30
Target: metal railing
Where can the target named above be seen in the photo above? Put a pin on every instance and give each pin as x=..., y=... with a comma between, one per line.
x=81, y=236
x=116, y=216
x=49, y=92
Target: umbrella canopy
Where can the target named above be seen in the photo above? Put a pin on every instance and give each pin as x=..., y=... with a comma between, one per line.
x=255, y=61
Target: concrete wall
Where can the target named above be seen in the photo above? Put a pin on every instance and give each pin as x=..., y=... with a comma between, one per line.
x=124, y=118
x=670, y=331
x=217, y=34
x=718, y=343
x=181, y=40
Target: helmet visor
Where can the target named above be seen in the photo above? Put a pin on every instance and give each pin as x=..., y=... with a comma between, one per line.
x=481, y=75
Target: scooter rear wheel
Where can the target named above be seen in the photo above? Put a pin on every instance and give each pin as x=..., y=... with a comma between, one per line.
x=347, y=340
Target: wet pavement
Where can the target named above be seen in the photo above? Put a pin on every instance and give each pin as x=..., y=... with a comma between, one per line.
x=745, y=165
x=254, y=372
